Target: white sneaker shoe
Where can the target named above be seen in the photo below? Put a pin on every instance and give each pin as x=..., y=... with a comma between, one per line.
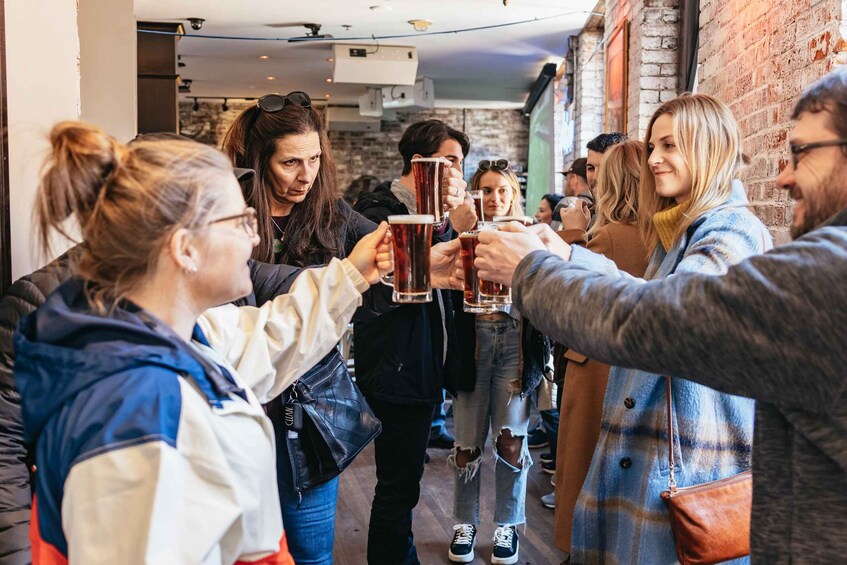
x=549, y=500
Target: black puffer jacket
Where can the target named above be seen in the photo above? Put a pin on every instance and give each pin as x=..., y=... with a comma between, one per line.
x=23, y=297
x=399, y=355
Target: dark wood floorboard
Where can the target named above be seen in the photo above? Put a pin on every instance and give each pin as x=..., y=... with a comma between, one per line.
x=433, y=522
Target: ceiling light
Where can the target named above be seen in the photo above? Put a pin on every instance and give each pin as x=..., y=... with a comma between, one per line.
x=420, y=25
x=224, y=106
x=196, y=105
x=329, y=80
x=330, y=60
x=271, y=78
x=381, y=8
x=327, y=95
x=264, y=57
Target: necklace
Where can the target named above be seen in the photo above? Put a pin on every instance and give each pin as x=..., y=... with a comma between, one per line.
x=277, y=241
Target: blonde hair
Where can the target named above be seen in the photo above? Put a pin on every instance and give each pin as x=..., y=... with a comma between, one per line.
x=515, y=209
x=617, y=187
x=127, y=200
x=709, y=141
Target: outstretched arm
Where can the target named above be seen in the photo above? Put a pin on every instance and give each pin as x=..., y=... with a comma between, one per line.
x=772, y=328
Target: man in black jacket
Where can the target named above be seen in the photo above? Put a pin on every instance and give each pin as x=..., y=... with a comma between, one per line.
x=401, y=356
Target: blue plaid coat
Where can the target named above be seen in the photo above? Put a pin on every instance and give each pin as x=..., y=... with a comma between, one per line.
x=619, y=516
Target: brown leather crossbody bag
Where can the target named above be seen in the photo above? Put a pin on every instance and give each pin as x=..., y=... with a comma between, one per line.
x=710, y=521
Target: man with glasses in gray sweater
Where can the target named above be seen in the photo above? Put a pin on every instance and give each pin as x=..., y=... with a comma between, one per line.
x=772, y=328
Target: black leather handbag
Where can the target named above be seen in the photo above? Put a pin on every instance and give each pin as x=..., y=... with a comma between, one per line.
x=327, y=422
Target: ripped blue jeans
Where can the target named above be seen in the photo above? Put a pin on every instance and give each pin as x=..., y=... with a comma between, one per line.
x=495, y=403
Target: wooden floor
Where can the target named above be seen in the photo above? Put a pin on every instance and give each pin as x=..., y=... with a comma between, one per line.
x=433, y=522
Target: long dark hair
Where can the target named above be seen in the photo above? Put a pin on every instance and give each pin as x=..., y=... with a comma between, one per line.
x=316, y=227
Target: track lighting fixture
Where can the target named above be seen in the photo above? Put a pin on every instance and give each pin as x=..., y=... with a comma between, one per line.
x=196, y=105
x=224, y=106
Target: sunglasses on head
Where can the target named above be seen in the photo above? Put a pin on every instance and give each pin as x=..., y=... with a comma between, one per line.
x=499, y=164
x=276, y=102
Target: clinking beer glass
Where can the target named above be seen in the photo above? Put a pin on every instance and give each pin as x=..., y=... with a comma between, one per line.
x=492, y=295
x=473, y=301
x=428, y=173
x=412, y=240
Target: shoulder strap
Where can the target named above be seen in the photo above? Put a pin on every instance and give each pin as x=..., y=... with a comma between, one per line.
x=671, y=477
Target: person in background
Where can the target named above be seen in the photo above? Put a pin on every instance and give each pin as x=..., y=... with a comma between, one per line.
x=748, y=318
x=613, y=235
x=302, y=222
x=362, y=184
x=509, y=361
x=143, y=407
x=546, y=206
x=596, y=147
x=402, y=356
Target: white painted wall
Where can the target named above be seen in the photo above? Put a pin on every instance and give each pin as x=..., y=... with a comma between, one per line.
x=108, y=63
x=43, y=80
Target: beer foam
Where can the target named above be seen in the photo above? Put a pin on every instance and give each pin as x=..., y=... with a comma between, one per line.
x=431, y=160
x=412, y=219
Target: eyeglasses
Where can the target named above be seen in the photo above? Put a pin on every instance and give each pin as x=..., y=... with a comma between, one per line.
x=276, y=102
x=799, y=149
x=499, y=164
x=249, y=222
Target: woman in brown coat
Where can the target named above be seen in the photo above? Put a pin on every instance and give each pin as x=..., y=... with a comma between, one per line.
x=615, y=235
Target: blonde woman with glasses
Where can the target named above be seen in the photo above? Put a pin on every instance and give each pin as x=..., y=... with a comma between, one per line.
x=141, y=396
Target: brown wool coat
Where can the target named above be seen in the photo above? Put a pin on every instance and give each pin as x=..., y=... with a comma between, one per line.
x=585, y=383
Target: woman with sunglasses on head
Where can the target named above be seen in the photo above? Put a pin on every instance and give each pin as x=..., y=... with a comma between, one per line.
x=509, y=360
x=302, y=221
x=693, y=216
x=142, y=399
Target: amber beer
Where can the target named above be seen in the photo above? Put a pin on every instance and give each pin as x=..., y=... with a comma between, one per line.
x=476, y=196
x=412, y=237
x=492, y=292
x=428, y=173
x=473, y=302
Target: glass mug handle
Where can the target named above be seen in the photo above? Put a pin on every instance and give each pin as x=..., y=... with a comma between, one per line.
x=387, y=280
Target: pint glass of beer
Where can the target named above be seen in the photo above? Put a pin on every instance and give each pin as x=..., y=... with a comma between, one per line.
x=491, y=292
x=473, y=302
x=412, y=240
x=429, y=174
x=476, y=196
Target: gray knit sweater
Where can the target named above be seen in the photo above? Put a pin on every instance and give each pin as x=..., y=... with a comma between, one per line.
x=773, y=328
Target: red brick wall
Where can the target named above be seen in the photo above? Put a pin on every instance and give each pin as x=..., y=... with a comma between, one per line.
x=653, y=53
x=757, y=56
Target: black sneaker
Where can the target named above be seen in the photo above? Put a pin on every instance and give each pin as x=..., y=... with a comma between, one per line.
x=464, y=540
x=549, y=468
x=546, y=457
x=505, y=545
x=537, y=439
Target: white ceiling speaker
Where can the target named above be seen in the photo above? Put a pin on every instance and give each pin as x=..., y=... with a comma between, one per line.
x=420, y=95
x=370, y=103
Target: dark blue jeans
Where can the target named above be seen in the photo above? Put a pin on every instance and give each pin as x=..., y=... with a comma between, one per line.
x=309, y=523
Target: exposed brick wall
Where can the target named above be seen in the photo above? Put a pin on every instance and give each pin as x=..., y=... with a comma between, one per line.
x=653, y=53
x=493, y=133
x=589, y=89
x=758, y=57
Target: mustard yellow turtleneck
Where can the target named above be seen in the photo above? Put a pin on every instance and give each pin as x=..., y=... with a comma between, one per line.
x=667, y=220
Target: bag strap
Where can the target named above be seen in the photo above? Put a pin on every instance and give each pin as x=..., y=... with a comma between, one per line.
x=671, y=477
